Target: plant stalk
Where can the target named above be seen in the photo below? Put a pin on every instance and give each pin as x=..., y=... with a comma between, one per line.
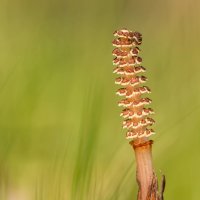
x=146, y=178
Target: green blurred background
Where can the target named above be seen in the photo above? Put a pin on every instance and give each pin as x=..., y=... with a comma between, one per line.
x=60, y=130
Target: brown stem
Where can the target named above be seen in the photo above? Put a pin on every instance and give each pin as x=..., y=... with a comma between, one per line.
x=147, y=180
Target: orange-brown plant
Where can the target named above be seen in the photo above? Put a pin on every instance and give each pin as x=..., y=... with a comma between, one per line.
x=135, y=112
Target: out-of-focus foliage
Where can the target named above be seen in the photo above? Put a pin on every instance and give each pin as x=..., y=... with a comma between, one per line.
x=60, y=130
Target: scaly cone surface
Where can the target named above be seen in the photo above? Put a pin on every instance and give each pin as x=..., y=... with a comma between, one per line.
x=128, y=66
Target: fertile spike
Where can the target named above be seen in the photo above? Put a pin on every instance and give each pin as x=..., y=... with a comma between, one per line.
x=128, y=66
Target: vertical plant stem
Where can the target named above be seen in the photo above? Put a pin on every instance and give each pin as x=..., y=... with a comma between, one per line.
x=146, y=179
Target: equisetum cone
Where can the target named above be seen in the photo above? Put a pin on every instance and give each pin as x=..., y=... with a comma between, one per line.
x=128, y=66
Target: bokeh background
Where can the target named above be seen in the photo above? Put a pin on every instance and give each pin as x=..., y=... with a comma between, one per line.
x=60, y=130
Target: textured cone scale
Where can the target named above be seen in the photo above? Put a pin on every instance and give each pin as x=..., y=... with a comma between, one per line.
x=128, y=67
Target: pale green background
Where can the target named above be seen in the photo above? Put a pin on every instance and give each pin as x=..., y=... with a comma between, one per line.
x=60, y=130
